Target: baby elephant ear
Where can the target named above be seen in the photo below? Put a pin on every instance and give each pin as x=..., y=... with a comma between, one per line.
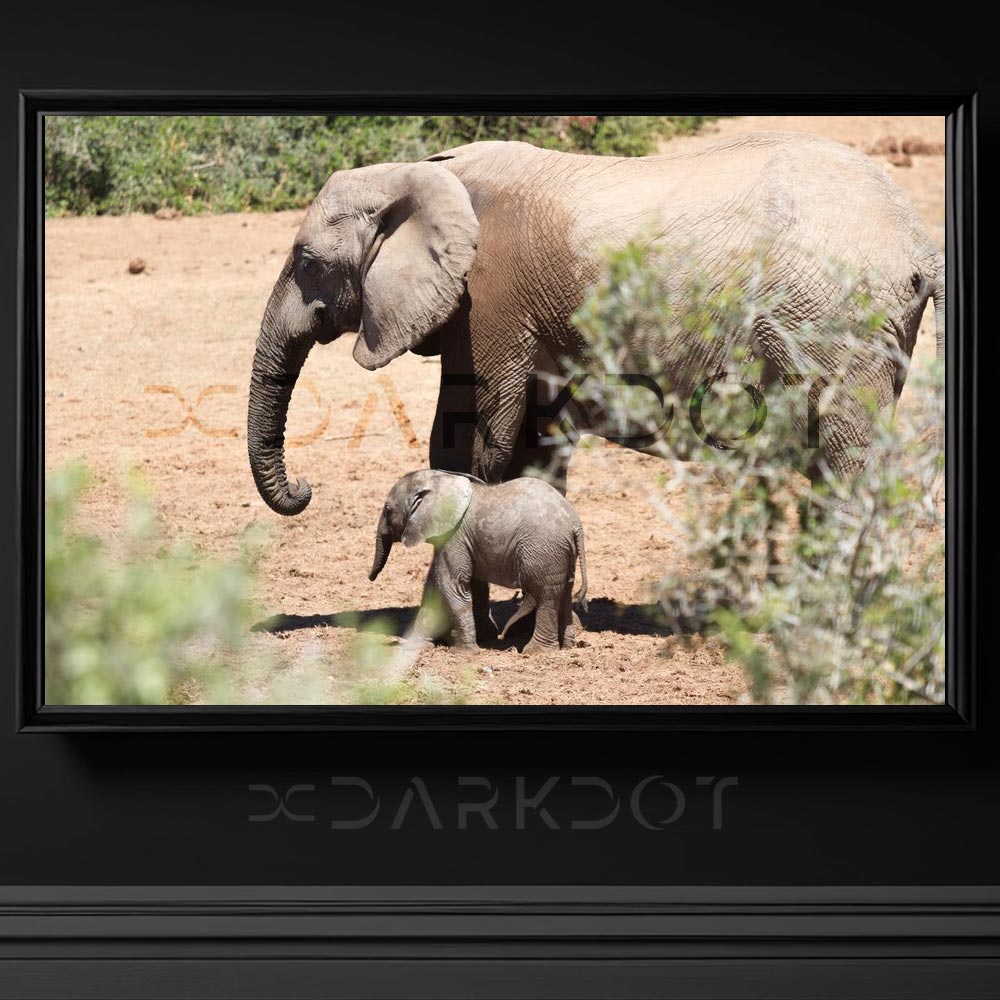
x=437, y=505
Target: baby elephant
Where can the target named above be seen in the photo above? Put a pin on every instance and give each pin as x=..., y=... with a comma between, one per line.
x=520, y=534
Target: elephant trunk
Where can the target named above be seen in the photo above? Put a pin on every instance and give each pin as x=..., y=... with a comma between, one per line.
x=383, y=546
x=276, y=366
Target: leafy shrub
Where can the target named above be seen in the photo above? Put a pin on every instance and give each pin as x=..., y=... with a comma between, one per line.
x=826, y=594
x=230, y=163
x=131, y=623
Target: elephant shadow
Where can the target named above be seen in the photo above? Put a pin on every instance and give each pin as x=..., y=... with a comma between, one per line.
x=392, y=621
x=602, y=615
x=606, y=615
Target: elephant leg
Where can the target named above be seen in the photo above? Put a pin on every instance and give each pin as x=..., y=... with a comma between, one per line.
x=428, y=625
x=446, y=606
x=841, y=459
x=503, y=386
x=498, y=423
x=549, y=400
x=486, y=627
x=845, y=446
x=567, y=620
x=452, y=578
x=546, y=635
x=452, y=432
x=463, y=623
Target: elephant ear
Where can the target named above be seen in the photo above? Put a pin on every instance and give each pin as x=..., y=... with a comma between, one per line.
x=436, y=507
x=418, y=263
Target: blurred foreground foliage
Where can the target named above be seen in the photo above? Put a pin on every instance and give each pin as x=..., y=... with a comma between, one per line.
x=131, y=623
x=828, y=593
x=230, y=163
x=139, y=620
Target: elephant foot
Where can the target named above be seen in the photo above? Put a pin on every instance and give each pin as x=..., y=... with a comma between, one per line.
x=534, y=647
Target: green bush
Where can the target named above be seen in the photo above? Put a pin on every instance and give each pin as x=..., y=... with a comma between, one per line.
x=212, y=163
x=822, y=594
x=131, y=623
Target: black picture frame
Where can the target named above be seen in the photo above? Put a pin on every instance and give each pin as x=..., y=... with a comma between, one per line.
x=961, y=471
x=856, y=859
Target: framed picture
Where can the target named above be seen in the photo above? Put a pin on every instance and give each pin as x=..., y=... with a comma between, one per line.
x=483, y=542
x=773, y=444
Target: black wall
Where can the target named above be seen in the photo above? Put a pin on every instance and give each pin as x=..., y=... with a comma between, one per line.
x=839, y=808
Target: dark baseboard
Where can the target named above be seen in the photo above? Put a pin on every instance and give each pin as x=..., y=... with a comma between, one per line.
x=491, y=942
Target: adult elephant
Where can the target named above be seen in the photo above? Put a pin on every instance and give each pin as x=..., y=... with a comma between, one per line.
x=482, y=254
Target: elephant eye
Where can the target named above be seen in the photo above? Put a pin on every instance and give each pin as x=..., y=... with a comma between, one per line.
x=310, y=267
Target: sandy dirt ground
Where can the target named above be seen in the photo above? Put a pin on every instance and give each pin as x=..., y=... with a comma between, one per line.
x=151, y=369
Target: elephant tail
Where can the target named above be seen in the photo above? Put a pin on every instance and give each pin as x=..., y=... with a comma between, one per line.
x=581, y=553
x=937, y=293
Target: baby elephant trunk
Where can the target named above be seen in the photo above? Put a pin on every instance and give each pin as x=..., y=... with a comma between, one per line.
x=383, y=545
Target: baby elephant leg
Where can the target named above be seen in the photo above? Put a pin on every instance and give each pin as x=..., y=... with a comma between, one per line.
x=568, y=622
x=459, y=602
x=486, y=627
x=444, y=593
x=547, y=615
x=453, y=576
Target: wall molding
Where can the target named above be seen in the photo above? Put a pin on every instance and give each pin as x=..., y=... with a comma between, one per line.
x=486, y=941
